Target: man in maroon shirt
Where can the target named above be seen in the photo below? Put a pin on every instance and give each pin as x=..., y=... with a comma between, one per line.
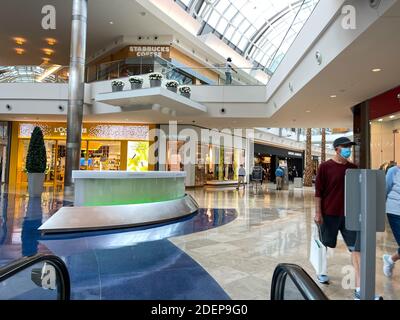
x=329, y=196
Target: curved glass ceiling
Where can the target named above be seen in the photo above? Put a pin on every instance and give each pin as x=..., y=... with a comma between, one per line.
x=49, y=73
x=260, y=30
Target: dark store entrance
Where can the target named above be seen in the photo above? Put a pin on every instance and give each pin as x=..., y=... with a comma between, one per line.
x=270, y=158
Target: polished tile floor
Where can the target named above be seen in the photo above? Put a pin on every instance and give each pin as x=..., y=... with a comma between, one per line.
x=136, y=263
x=217, y=255
x=272, y=227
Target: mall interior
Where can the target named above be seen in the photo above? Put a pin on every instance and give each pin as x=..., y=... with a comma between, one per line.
x=149, y=110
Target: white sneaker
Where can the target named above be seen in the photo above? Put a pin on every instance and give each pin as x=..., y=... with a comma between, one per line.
x=357, y=295
x=388, y=265
x=323, y=278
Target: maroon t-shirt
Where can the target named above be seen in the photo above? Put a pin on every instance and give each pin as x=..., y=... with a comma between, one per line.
x=329, y=186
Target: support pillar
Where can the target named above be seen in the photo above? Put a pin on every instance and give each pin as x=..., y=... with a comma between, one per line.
x=323, y=145
x=362, y=135
x=76, y=88
x=309, y=163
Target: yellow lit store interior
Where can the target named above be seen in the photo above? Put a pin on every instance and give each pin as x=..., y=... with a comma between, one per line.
x=104, y=147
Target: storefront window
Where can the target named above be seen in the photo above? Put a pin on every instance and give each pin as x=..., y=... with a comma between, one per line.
x=23, y=146
x=3, y=150
x=104, y=147
x=223, y=163
x=102, y=155
x=385, y=144
x=175, y=156
x=138, y=156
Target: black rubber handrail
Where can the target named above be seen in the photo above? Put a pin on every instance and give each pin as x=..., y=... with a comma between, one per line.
x=304, y=283
x=19, y=265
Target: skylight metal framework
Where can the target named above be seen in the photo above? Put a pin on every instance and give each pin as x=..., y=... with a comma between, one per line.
x=29, y=74
x=260, y=30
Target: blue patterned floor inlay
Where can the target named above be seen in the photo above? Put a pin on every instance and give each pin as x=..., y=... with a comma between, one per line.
x=135, y=263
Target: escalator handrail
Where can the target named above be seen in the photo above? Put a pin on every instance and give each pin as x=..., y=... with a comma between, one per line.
x=304, y=283
x=19, y=265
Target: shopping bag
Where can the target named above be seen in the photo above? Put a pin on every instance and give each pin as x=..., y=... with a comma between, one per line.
x=317, y=253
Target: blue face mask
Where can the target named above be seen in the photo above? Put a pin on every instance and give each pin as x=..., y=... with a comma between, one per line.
x=345, y=152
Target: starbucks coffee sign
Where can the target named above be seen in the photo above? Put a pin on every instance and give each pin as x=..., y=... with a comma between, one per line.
x=150, y=51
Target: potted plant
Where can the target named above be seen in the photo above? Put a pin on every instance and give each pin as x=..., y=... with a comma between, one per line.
x=36, y=163
x=172, y=85
x=117, y=85
x=185, y=91
x=155, y=79
x=136, y=82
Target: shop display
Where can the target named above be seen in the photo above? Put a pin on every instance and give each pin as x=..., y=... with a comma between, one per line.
x=95, y=154
x=103, y=155
x=138, y=156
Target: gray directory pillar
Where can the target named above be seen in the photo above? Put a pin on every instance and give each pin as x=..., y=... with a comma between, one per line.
x=76, y=88
x=365, y=196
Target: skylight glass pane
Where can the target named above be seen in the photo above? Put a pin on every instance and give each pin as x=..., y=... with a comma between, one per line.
x=261, y=29
x=223, y=23
x=214, y=19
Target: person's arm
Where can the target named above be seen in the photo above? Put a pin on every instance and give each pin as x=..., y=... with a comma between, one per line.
x=389, y=180
x=319, y=185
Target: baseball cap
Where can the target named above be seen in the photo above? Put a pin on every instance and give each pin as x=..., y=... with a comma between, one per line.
x=343, y=141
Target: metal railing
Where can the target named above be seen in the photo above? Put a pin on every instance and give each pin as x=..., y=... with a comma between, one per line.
x=215, y=75
x=37, y=275
x=291, y=282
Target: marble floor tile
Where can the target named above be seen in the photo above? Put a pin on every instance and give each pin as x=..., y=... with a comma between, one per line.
x=275, y=227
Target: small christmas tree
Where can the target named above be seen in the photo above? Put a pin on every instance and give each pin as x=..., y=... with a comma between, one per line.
x=36, y=159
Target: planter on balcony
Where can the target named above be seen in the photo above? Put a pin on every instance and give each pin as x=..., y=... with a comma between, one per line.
x=155, y=79
x=172, y=85
x=117, y=85
x=185, y=91
x=136, y=82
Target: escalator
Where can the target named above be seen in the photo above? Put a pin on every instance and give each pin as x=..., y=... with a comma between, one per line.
x=39, y=277
x=291, y=282
x=45, y=277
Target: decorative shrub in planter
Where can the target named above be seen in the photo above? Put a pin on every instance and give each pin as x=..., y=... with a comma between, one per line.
x=136, y=82
x=172, y=85
x=117, y=85
x=36, y=163
x=155, y=79
x=185, y=91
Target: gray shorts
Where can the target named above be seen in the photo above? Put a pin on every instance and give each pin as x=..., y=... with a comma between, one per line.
x=330, y=229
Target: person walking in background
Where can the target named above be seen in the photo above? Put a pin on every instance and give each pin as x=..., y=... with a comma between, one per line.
x=279, y=173
x=295, y=173
x=393, y=214
x=228, y=71
x=264, y=174
x=242, y=175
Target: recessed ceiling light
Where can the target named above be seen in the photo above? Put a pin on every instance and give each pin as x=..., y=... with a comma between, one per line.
x=333, y=96
x=48, y=51
x=380, y=120
x=111, y=22
x=51, y=41
x=19, y=41
x=308, y=111
x=19, y=51
x=391, y=117
x=376, y=70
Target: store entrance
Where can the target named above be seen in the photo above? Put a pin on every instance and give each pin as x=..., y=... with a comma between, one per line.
x=60, y=162
x=95, y=155
x=3, y=159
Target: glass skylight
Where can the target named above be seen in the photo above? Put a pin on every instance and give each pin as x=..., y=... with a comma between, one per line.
x=260, y=30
